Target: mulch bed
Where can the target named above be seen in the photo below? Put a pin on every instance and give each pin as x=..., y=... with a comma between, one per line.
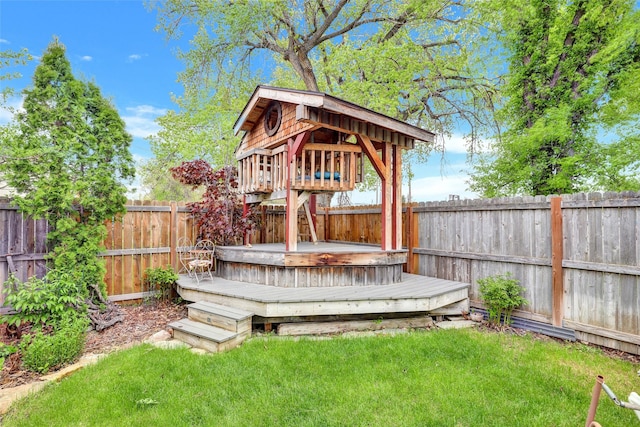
x=140, y=322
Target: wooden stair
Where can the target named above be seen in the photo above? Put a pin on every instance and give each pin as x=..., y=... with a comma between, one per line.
x=213, y=327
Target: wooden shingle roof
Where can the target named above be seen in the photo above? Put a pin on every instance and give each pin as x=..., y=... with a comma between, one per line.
x=318, y=101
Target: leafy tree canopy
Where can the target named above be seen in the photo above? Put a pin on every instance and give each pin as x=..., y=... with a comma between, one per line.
x=572, y=115
x=8, y=59
x=422, y=61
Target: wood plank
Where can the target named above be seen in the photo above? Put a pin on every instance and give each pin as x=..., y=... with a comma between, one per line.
x=323, y=328
x=604, y=332
x=485, y=257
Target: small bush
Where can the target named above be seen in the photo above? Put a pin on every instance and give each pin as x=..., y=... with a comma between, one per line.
x=6, y=350
x=501, y=294
x=41, y=353
x=46, y=301
x=161, y=280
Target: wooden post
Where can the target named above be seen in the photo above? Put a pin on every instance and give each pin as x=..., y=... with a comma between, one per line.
x=387, y=198
x=173, y=236
x=557, y=238
x=245, y=212
x=263, y=224
x=396, y=213
x=327, y=225
x=409, y=232
x=291, y=213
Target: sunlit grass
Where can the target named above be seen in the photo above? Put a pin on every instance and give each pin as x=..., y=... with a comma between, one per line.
x=432, y=378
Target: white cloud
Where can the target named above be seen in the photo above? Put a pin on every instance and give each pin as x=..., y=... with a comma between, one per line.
x=13, y=104
x=135, y=57
x=140, y=120
x=141, y=127
x=4, y=41
x=455, y=144
x=86, y=58
x=147, y=110
x=432, y=188
x=439, y=188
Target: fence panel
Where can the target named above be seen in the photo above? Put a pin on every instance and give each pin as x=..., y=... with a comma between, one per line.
x=470, y=239
x=144, y=238
x=601, y=268
x=22, y=245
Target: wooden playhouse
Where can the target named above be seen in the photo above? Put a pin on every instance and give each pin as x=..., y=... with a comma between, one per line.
x=298, y=144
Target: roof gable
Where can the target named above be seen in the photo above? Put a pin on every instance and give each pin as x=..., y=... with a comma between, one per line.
x=315, y=104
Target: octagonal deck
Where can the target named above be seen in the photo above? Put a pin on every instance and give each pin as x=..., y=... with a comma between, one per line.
x=412, y=294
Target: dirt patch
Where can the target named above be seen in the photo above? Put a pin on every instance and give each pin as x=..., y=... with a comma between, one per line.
x=140, y=322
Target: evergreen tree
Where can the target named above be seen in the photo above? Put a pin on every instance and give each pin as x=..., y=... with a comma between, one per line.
x=68, y=163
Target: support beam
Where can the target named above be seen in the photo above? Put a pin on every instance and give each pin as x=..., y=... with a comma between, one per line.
x=291, y=221
x=312, y=226
x=303, y=197
x=387, y=199
x=313, y=207
x=368, y=148
x=296, y=146
x=396, y=214
x=291, y=216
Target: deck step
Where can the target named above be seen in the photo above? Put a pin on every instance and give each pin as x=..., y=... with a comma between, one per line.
x=207, y=337
x=228, y=318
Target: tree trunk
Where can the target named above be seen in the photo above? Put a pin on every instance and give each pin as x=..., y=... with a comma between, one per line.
x=303, y=68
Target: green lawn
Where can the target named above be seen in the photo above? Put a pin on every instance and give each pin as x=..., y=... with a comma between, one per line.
x=424, y=378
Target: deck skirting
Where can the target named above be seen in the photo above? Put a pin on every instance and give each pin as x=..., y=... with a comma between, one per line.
x=320, y=265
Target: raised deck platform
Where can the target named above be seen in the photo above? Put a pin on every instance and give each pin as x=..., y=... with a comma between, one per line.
x=325, y=264
x=413, y=294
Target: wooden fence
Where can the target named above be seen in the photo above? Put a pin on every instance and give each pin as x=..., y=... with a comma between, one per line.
x=22, y=245
x=577, y=256
x=145, y=237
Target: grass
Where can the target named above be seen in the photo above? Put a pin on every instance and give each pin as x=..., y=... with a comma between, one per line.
x=425, y=378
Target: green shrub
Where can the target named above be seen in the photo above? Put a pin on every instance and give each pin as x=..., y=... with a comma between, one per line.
x=501, y=294
x=41, y=353
x=6, y=350
x=161, y=280
x=47, y=301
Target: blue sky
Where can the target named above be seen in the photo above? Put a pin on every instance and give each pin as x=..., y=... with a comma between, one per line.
x=113, y=43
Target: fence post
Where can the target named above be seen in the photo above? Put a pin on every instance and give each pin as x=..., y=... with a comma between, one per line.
x=263, y=224
x=327, y=224
x=173, y=239
x=409, y=232
x=557, y=239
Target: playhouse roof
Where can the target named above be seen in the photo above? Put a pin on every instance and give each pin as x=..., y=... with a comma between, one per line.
x=263, y=95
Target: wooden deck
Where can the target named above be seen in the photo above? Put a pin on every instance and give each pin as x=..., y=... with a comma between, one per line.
x=414, y=294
